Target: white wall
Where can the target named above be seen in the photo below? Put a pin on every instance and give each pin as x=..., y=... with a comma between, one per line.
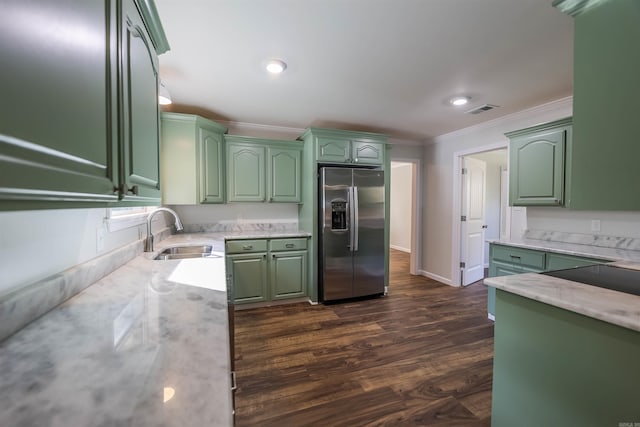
x=37, y=244
x=438, y=178
x=619, y=224
x=400, y=209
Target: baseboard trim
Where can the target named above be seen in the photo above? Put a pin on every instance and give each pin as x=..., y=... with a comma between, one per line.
x=400, y=248
x=436, y=277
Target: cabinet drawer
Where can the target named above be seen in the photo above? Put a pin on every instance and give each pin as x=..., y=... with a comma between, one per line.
x=518, y=256
x=287, y=244
x=561, y=262
x=246, y=246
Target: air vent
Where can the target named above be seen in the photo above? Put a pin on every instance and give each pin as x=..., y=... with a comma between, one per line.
x=482, y=109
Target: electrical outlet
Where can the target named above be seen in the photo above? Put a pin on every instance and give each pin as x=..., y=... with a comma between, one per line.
x=99, y=239
x=595, y=225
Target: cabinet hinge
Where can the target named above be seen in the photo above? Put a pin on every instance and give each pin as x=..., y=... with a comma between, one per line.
x=464, y=171
x=462, y=264
x=463, y=218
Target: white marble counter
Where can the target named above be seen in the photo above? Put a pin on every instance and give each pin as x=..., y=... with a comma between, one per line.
x=610, y=306
x=607, y=253
x=107, y=355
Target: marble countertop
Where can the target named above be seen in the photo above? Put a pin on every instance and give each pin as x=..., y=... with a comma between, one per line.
x=115, y=352
x=610, y=306
x=607, y=253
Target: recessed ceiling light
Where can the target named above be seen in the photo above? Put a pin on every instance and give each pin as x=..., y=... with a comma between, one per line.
x=275, y=66
x=459, y=100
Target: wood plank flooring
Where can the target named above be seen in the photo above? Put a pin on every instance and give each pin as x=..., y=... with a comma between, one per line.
x=422, y=355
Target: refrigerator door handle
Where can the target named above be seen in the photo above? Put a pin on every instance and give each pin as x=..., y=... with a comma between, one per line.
x=356, y=219
x=350, y=210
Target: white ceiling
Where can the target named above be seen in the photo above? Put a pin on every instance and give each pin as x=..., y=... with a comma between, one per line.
x=373, y=65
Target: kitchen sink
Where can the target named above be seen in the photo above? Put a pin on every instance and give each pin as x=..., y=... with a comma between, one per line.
x=184, y=252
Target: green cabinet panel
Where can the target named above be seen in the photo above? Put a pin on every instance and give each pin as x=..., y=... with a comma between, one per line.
x=192, y=160
x=554, y=367
x=140, y=172
x=606, y=68
x=283, y=170
x=561, y=262
x=333, y=150
x=58, y=129
x=82, y=127
x=249, y=275
x=537, y=164
x=507, y=260
x=245, y=172
x=285, y=269
x=211, y=188
x=288, y=272
x=367, y=153
x=261, y=170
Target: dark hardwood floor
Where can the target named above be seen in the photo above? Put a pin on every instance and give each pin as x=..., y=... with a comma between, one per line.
x=422, y=355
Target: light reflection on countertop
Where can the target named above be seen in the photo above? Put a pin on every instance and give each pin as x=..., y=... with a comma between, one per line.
x=105, y=356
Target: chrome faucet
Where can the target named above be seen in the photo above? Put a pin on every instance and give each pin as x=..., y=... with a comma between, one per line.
x=148, y=244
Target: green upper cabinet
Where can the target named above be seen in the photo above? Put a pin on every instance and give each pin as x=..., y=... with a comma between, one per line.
x=537, y=164
x=260, y=170
x=338, y=146
x=606, y=68
x=246, y=172
x=192, y=160
x=283, y=170
x=81, y=128
x=140, y=172
x=367, y=153
x=58, y=128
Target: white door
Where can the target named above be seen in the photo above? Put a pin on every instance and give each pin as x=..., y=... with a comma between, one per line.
x=472, y=220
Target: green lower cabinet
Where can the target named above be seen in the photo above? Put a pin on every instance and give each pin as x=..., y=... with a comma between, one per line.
x=562, y=262
x=249, y=275
x=507, y=260
x=554, y=367
x=259, y=274
x=288, y=274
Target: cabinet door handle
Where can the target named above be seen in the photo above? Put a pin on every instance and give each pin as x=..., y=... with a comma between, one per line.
x=247, y=247
x=273, y=256
x=514, y=256
x=234, y=383
x=289, y=245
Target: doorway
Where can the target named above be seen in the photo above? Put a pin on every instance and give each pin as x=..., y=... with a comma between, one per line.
x=403, y=210
x=479, y=209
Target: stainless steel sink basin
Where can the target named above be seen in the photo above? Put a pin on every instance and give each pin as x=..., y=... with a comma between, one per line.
x=184, y=252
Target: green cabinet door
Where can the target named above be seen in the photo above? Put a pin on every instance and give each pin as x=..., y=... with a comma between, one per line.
x=333, y=150
x=537, y=166
x=246, y=172
x=58, y=122
x=508, y=260
x=248, y=272
x=367, y=153
x=192, y=160
x=211, y=188
x=288, y=274
x=562, y=262
x=140, y=172
x=283, y=170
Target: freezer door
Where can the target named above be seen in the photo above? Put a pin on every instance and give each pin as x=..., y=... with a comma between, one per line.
x=368, y=261
x=337, y=234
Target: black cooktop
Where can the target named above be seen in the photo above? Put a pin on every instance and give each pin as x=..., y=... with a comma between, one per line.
x=603, y=276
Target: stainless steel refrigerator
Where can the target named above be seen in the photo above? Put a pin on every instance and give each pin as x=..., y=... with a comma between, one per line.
x=352, y=227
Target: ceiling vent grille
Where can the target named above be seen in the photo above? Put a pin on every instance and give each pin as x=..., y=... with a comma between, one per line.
x=482, y=109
